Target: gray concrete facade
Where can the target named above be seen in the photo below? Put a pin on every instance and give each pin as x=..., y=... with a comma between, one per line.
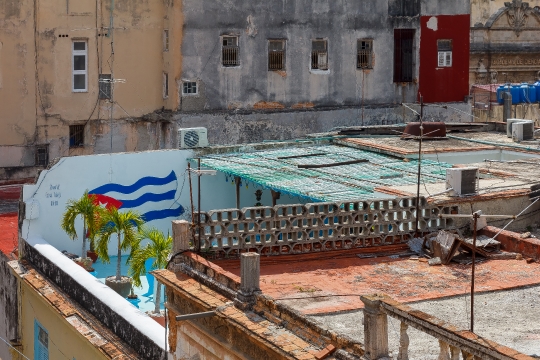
x=250, y=103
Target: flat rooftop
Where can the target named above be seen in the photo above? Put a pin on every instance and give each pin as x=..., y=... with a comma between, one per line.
x=332, y=282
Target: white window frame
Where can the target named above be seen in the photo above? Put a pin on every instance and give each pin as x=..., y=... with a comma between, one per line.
x=79, y=72
x=444, y=58
x=166, y=40
x=196, y=88
x=165, y=85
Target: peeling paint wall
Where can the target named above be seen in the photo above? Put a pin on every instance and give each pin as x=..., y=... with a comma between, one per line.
x=252, y=85
x=36, y=98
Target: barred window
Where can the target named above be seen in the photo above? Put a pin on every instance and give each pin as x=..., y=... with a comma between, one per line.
x=276, y=54
x=364, y=58
x=444, y=53
x=104, y=86
x=230, y=51
x=42, y=155
x=76, y=136
x=319, y=55
x=189, y=87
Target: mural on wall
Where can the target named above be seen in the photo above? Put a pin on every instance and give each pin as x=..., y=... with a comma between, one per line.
x=160, y=191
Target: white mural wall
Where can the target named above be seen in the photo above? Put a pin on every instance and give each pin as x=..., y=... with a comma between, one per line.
x=154, y=183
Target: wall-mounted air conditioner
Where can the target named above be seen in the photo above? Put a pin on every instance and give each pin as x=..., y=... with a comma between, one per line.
x=509, y=124
x=523, y=130
x=192, y=138
x=463, y=181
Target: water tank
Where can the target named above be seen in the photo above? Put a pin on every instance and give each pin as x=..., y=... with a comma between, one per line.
x=537, y=84
x=533, y=96
x=500, y=91
x=524, y=93
x=515, y=91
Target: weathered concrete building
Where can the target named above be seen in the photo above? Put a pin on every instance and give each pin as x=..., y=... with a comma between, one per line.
x=279, y=68
x=248, y=71
x=57, y=58
x=505, y=46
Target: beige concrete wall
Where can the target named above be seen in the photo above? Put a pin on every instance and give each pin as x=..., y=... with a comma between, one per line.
x=193, y=342
x=521, y=111
x=37, y=103
x=64, y=339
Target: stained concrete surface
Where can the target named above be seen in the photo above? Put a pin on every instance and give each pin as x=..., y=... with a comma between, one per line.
x=511, y=318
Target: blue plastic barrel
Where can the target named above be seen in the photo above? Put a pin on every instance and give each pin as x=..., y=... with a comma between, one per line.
x=515, y=91
x=532, y=93
x=537, y=84
x=524, y=93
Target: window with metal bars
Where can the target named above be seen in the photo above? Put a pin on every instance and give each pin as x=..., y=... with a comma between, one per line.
x=76, y=136
x=42, y=155
x=104, y=86
x=364, y=57
x=319, y=55
x=230, y=51
x=403, y=55
x=276, y=54
x=444, y=53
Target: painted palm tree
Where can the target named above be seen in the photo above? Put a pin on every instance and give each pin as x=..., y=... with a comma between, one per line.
x=158, y=250
x=126, y=226
x=88, y=208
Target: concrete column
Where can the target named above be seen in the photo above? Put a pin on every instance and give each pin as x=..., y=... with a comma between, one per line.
x=250, y=271
x=181, y=238
x=507, y=105
x=375, y=328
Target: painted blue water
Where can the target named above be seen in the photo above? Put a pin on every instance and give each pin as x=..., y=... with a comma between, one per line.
x=145, y=301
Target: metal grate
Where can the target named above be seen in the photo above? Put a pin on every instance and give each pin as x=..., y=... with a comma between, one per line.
x=76, y=136
x=191, y=139
x=230, y=51
x=104, y=86
x=276, y=55
x=319, y=55
x=42, y=155
x=364, y=59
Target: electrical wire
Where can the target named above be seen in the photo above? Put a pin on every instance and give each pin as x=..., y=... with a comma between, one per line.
x=8, y=344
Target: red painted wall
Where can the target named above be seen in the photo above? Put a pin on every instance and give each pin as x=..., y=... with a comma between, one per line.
x=444, y=84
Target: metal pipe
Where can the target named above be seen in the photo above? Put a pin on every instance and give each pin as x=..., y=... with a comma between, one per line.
x=480, y=216
x=237, y=183
x=495, y=144
x=192, y=227
x=475, y=216
x=419, y=166
x=195, y=316
x=199, y=206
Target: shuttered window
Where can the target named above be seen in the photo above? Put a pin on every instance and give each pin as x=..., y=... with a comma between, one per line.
x=403, y=55
x=41, y=342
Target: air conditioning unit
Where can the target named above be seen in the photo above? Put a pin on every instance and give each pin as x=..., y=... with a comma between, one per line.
x=509, y=124
x=192, y=138
x=463, y=181
x=523, y=130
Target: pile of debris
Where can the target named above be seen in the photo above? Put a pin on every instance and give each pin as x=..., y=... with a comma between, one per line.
x=445, y=246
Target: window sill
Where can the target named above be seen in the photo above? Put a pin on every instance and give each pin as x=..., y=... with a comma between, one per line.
x=190, y=95
x=319, y=72
x=79, y=91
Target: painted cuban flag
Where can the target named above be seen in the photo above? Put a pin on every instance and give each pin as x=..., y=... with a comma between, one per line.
x=147, y=192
